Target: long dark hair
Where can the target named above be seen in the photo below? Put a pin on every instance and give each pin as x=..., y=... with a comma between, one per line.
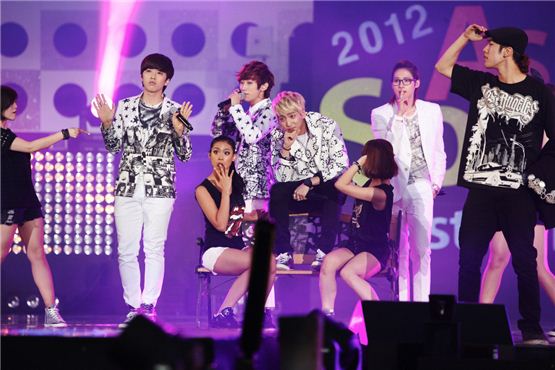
x=237, y=183
x=8, y=96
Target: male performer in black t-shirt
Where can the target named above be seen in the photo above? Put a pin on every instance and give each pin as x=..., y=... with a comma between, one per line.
x=507, y=117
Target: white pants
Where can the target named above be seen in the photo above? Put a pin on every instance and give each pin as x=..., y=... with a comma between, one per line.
x=417, y=204
x=149, y=217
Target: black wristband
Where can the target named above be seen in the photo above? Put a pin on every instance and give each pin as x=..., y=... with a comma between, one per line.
x=358, y=165
x=308, y=182
x=65, y=133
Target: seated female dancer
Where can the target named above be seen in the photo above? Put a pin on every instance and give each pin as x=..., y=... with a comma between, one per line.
x=367, y=250
x=221, y=200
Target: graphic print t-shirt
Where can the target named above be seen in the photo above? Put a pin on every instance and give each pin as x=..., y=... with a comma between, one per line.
x=504, y=129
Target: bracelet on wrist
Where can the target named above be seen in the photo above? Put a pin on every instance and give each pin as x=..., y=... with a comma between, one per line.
x=308, y=182
x=65, y=133
x=358, y=165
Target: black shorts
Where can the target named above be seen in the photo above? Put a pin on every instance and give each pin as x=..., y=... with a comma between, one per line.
x=380, y=251
x=18, y=216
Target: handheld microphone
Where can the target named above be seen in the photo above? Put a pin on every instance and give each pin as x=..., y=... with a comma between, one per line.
x=183, y=120
x=186, y=123
x=228, y=101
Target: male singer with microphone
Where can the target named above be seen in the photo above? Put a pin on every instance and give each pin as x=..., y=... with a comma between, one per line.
x=145, y=187
x=250, y=130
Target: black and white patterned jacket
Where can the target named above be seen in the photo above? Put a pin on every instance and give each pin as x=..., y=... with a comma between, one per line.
x=146, y=149
x=325, y=151
x=251, y=131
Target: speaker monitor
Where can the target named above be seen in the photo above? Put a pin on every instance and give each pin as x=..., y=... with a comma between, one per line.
x=405, y=322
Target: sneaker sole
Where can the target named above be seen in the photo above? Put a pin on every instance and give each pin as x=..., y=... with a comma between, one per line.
x=536, y=342
x=60, y=325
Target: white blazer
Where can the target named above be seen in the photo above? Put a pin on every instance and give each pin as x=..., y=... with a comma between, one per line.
x=387, y=125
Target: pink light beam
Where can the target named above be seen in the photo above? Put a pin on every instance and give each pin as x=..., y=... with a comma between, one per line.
x=114, y=17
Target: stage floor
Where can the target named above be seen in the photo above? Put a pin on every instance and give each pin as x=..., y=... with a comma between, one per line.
x=90, y=340
x=107, y=326
x=95, y=336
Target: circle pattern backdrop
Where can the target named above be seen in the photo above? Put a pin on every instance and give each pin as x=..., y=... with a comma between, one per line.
x=126, y=90
x=188, y=39
x=70, y=100
x=70, y=40
x=239, y=38
x=14, y=39
x=190, y=92
x=136, y=41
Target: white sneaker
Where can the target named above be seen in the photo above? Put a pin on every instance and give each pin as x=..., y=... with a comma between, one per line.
x=283, y=260
x=318, y=259
x=133, y=312
x=534, y=339
x=52, y=318
x=536, y=342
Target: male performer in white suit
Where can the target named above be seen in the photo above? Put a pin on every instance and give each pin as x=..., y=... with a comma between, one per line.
x=415, y=129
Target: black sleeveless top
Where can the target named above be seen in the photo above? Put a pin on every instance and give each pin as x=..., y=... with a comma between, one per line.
x=233, y=236
x=18, y=190
x=370, y=227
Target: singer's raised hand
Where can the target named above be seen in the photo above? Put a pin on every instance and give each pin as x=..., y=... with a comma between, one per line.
x=235, y=97
x=404, y=108
x=186, y=109
x=289, y=138
x=105, y=112
x=475, y=32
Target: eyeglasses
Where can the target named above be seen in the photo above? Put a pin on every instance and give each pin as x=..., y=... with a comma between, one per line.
x=403, y=81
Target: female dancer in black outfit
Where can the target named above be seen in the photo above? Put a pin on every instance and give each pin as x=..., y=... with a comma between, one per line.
x=367, y=250
x=20, y=207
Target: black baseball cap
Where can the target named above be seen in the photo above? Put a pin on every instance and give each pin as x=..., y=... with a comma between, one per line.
x=509, y=36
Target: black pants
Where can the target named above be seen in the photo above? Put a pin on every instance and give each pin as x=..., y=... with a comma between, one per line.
x=324, y=199
x=484, y=213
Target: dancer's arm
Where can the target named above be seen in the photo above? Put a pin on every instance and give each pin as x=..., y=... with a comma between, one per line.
x=345, y=185
x=21, y=145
